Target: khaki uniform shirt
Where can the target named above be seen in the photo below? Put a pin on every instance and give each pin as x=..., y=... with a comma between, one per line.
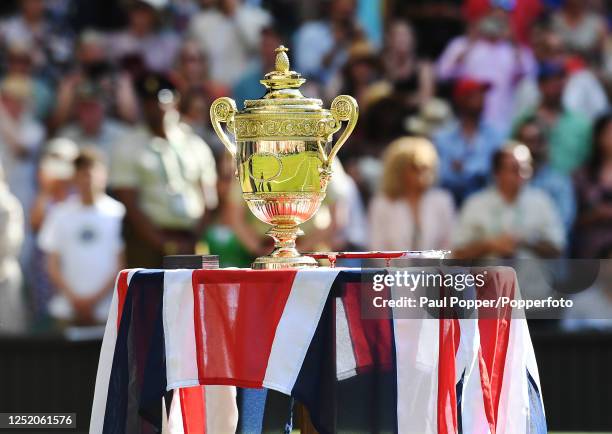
x=175, y=177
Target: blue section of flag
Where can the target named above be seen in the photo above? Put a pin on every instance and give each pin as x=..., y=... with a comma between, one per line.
x=537, y=419
x=331, y=404
x=115, y=415
x=315, y=386
x=138, y=378
x=251, y=407
x=459, y=393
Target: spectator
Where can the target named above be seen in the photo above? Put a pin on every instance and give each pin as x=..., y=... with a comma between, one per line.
x=341, y=222
x=145, y=38
x=21, y=138
x=361, y=76
x=94, y=66
x=234, y=233
x=351, y=220
x=583, y=92
x=568, y=133
x=435, y=23
x=408, y=213
x=548, y=47
x=19, y=64
x=592, y=308
x=557, y=185
x=12, y=310
x=487, y=53
x=466, y=146
x=55, y=175
x=411, y=77
x=194, y=108
x=192, y=73
x=50, y=47
x=229, y=34
x=582, y=30
x=92, y=128
x=248, y=86
x=509, y=219
x=82, y=241
x=383, y=122
x=594, y=189
x=521, y=13
x=321, y=47
x=165, y=175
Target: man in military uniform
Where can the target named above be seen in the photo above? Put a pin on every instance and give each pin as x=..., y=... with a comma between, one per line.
x=165, y=175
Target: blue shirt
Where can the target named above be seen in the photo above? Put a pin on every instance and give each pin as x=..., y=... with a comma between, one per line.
x=473, y=157
x=561, y=190
x=248, y=86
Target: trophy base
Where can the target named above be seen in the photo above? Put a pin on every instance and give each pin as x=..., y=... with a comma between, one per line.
x=276, y=263
x=284, y=255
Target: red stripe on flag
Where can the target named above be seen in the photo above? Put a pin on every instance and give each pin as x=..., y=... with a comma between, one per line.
x=193, y=409
x=448, y=342
x=487, y=394
x=236, y=313
x=371, y=338
x=494, y=328
x=122, y=287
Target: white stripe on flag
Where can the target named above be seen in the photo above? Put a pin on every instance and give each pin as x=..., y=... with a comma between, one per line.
x=175, y=416
x=473, y=416
x=417, y=352
x=346, y=364
x=297, y=326
x=513, y=411
x=105, y=364
x=514, y=408
x=179, y=332
x=417, y=349
x=472, y=411
x=221, y=410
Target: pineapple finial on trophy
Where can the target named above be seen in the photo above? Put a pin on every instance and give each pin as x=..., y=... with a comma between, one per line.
x=282, y=60
x=282, y=77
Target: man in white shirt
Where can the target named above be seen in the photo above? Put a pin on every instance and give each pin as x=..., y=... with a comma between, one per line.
x=509, y=219
x=82, y=239
x=166, y=177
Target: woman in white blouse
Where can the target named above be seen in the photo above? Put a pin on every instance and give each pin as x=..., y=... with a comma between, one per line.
x=408, y=213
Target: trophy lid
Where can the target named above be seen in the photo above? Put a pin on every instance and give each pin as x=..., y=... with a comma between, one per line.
x=283, y=88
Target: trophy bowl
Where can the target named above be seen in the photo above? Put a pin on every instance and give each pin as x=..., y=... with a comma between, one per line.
x=283, y=148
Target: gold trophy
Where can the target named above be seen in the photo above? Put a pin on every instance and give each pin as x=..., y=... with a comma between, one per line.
x=283, y=150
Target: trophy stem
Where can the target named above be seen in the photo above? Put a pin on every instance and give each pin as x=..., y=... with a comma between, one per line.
x=284, y=255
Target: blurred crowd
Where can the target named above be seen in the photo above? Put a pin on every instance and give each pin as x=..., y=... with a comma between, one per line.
x=484, y=129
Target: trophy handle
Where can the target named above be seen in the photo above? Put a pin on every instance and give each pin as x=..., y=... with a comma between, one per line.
x=343, y=108
x=223, y=110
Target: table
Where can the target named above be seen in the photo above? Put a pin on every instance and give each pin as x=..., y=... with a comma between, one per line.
x=303, y=333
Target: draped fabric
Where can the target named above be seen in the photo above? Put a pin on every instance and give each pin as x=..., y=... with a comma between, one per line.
x=178, y=343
